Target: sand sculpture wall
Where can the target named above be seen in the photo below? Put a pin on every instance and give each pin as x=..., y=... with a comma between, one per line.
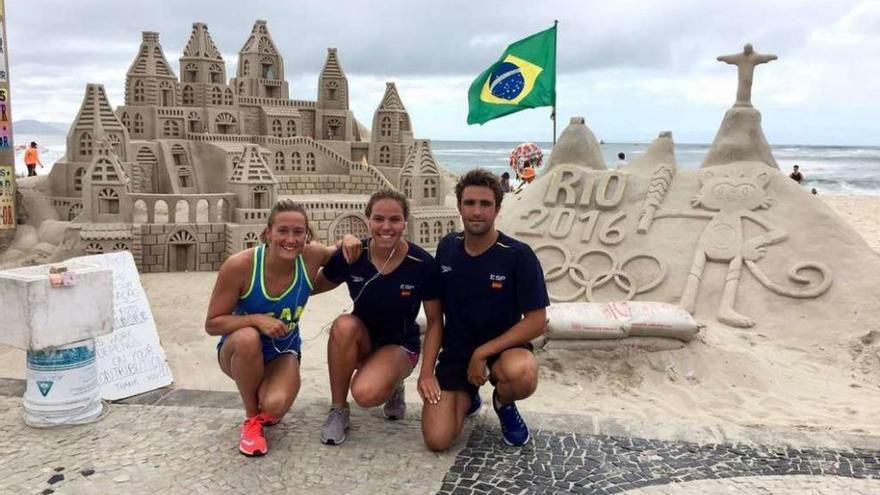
x=735, y=242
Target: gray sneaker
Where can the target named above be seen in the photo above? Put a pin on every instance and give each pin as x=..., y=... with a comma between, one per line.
x=395, y=408
x=333, y=431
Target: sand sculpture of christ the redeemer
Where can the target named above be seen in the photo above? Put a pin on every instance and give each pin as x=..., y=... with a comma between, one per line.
x=745, y=63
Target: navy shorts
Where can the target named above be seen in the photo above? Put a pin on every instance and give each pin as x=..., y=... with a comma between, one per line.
x=451, y=371
x=272, y=348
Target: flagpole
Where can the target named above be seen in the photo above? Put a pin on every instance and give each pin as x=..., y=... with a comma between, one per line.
x=555, y=60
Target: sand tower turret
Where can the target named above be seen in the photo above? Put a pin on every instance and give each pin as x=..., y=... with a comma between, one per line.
x=260, y=66
x=392, y=133
x=203, y=76
x=333, y=120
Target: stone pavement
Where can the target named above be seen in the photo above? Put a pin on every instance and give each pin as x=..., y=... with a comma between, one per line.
x=185, y=441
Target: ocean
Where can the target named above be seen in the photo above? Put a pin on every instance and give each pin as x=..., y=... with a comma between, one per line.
x=848, y=170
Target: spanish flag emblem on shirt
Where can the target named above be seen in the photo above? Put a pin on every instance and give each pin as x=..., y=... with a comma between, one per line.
x=524, y=77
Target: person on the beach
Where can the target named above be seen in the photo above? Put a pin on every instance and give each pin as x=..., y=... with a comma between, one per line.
x=494, y=301
x=255, y=308
x=32, y=159
x=505, y=182
x=796, y=175
x=813, y=191
x=373, y=349
x=621, y=161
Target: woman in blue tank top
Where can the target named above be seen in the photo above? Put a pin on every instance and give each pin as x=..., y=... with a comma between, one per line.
x=258, y=298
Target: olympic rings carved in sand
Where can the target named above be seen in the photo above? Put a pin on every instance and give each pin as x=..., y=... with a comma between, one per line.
x=586, y=283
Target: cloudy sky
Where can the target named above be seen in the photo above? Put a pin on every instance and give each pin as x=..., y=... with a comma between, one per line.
x=631, y=68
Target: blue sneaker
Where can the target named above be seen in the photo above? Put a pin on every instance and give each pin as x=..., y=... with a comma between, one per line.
x=476, y=404
x=514, y=430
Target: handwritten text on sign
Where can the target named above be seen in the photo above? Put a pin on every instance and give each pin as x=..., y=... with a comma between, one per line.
x=130, y=360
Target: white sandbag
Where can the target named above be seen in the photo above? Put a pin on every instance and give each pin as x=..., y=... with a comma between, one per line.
x=584, y=321
x=656, y=319
x=616, y=320
x=642, y=344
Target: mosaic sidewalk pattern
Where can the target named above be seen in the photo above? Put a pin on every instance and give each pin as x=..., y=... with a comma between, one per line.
x=560, y=463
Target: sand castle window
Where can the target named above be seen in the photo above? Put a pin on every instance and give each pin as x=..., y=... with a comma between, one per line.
x=179, y=155
x=245, y=68
x=241, y=88
x=193, y=119
x=334, y=129
x=424, y=233
x=250, y=240
x=78, y=179
x=276, y=128
x=295, y=162
x=189, y=95
x=291, y=128
x=261, y=196
x=138, y=123
x=450, y=226
x=310, y=162
x=279, y=160
x=384, y=155
x=267, y=68
x=94, y=248
x=115, y=144
x=332, y=87
x=406, y=185
x=438, y=230
x=191, y=73
x=120, y=246
x=85, y=144
x=184, y=178
x=430, y=188
x=138, y=91
x=215, y=72
x=225, y=123
x=126, y=121
x=171, y=128
x=228, y=97
x=108, y=201
x=385, y=126
x=216, y=96
x=166, y=96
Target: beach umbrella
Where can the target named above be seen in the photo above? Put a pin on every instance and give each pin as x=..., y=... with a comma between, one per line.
x=525, y=159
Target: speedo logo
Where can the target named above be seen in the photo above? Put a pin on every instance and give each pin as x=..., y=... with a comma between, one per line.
x=445, y=268
x=357, y=279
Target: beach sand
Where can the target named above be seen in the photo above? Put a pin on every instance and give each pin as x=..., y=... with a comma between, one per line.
x=728, y=376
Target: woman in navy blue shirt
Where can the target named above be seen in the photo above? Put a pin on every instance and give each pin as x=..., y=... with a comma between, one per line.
x=373, y=349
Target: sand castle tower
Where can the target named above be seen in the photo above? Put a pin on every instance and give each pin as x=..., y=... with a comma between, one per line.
x=420, y=181
x=333, y=120
x=260, y=66
x=105, y=187
x=94, y=123
x=392, y=134
x=254, y=186
x=203, y=80
x=151, y=84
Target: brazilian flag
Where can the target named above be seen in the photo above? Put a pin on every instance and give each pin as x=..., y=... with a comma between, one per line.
x=524, y=77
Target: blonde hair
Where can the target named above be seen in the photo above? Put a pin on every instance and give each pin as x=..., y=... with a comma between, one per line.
x=283, y=206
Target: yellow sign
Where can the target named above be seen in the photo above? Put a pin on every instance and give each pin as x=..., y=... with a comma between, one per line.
x=7, y=197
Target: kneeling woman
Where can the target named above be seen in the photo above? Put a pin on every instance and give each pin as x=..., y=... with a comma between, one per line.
x=258, y=298
x=380, y=338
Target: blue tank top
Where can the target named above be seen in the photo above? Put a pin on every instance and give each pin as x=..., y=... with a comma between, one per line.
x=287, y=306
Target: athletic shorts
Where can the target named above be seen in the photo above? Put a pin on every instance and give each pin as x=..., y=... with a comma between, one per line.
x=451, y=372
x=272, y=348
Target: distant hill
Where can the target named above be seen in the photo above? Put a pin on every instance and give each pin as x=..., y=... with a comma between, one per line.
x=30, y=126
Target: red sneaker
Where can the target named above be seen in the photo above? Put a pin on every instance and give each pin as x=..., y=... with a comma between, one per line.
x=268, y=420
x=252, y=442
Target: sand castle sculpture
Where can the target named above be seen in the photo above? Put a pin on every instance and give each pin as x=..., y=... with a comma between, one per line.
x=735, y=242
x=184, y=173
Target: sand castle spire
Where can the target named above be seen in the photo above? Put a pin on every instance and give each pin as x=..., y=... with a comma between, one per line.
x=260, y=66
x=201, y=61
x=150, y=79
x=95, y=121
x=392, y=132
x=201, y=45
x=420, y=176
x=745, y=63
x=332, y=84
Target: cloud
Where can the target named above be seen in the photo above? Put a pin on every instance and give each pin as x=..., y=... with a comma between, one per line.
x=645, y=60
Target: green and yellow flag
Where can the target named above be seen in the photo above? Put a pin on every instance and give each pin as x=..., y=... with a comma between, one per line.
x=524, y=77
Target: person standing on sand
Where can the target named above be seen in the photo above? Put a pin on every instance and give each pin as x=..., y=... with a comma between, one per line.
x=796, y=175
x=373, y=349
x=621, y=161
x=505, y=182
x=258, y=298
x=32, y=159
x=494, y=301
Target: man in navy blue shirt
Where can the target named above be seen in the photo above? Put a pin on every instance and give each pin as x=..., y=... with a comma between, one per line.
x=494, y=301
